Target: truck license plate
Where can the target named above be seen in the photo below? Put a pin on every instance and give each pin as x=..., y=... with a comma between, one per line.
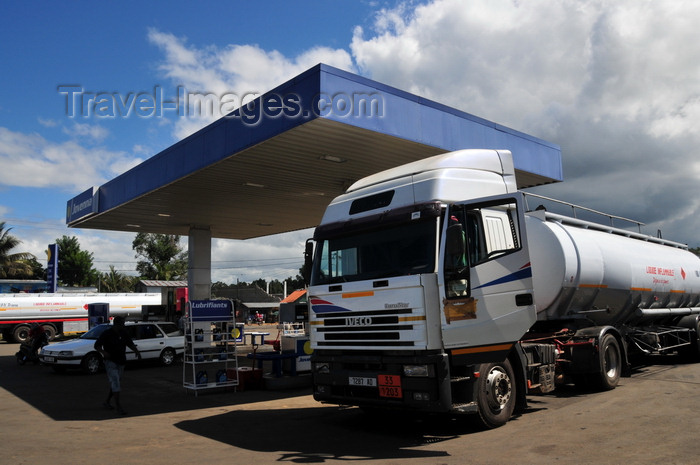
x=390, y=386
x=360, y=381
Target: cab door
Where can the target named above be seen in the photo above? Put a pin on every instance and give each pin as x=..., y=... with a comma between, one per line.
x=486, y=276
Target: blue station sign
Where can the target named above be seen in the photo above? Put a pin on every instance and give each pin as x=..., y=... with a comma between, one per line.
x=81, y=206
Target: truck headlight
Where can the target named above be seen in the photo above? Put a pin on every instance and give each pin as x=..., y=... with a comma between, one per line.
x=416, y=370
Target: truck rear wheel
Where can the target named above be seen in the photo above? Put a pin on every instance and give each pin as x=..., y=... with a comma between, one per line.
x=495, y=396
x=50, y=331
x=692, y=352
x=610, y=363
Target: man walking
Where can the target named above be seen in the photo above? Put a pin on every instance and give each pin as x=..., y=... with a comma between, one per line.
x=112, y=344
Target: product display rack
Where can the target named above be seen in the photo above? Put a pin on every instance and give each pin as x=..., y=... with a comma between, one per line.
x=211, y=337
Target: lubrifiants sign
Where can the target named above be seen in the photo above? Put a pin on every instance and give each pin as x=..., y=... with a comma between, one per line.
x=211, y=310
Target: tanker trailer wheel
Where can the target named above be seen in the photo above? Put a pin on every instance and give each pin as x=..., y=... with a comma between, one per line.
x=610, y=363
x=50, y=331
x=691, y=353
x=495, y=396
x=20, y=333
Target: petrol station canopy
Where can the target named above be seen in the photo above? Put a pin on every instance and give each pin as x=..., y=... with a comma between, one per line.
x=272, y=166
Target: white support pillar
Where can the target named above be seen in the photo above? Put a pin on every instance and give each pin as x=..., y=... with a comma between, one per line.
x=199, y=263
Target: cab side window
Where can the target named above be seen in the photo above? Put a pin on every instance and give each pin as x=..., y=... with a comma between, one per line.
x=477, y=234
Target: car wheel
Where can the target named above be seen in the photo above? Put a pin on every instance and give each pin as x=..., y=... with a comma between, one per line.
x=91, y=363
x=167, y=357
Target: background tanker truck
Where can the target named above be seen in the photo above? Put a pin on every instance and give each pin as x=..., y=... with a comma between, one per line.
x=64, y=313
x=433, y=288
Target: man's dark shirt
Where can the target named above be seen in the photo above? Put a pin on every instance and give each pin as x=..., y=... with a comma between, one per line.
x=115, y=341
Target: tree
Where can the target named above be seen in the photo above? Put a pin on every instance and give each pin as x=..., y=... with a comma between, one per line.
x=277, y=286
x=13, y=265
x=161, y=256
x=115, y=281
x=75, y=266
x=38, y=271
x=297, y=282
x=696, y=251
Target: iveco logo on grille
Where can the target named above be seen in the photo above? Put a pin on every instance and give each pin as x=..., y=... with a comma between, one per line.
x=358, y=321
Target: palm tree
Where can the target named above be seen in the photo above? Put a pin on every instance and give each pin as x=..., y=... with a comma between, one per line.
x=13, y=264
x=114, y=281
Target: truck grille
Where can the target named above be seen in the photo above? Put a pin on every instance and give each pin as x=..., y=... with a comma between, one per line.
x=381, y=328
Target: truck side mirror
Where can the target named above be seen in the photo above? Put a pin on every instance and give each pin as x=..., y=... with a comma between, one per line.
x=308, y=261
x=454, y=240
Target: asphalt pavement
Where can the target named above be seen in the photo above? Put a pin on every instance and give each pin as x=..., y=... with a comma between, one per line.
x=58, y=418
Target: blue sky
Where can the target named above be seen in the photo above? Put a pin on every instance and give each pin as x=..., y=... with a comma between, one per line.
x=615, y=84
x=106, y=48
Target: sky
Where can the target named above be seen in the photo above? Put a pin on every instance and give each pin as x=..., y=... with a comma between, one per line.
x=615, y=83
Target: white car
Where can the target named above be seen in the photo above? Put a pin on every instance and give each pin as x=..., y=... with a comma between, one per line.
x=155, y=340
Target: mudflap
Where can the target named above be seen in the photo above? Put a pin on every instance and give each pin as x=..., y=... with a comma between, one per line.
x=518, y=360
x=582, y=351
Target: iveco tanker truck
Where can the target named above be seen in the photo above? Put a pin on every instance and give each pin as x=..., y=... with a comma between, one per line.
x=434, y=289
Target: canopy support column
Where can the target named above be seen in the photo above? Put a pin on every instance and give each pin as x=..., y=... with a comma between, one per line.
x=199, y=263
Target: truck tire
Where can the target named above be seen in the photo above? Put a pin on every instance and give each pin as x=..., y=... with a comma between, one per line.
x=495, y=396
x=50, y=331
x=691, y=353
x=20, y=333
x=695, y=348
x=610, y=363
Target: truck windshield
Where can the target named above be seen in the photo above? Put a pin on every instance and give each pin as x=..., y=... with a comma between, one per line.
x=397, y=250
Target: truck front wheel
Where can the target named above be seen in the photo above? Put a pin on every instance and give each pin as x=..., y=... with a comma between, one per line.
x=495, y=394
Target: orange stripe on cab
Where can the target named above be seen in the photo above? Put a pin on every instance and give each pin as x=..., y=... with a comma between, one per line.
x=350, y=295
x=478, y=350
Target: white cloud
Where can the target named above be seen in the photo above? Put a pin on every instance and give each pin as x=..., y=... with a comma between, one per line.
x=48, y=123
x=233, y=71
x=30, y=160
x=272, y=257
x=89, y=132
x=614, y=83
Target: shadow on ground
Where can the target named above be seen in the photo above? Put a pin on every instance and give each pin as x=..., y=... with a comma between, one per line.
x=330, y=433
x=148, y=389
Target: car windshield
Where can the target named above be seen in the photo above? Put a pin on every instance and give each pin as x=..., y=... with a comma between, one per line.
x=170, y=329
x=95, y=332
